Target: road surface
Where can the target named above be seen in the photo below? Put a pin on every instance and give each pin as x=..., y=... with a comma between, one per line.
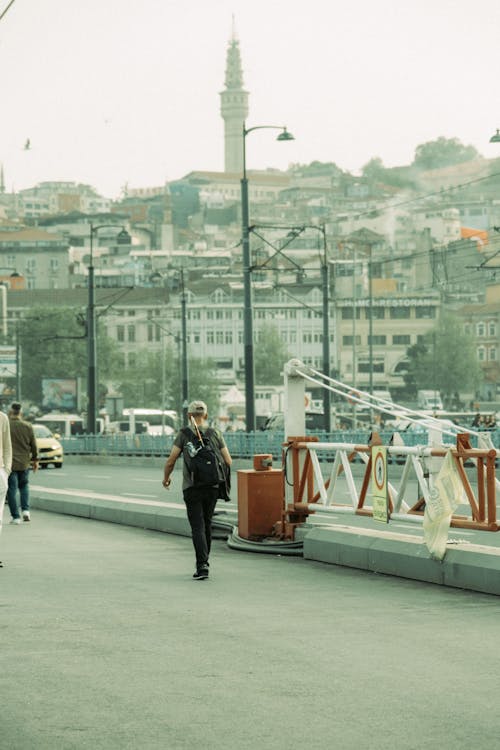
x=107, y=643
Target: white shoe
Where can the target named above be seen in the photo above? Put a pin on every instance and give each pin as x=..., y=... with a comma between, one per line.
x=15, y=521
x=26, y=515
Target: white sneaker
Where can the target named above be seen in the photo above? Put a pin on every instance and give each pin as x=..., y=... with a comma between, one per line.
x=26, y=515
x=15, y=521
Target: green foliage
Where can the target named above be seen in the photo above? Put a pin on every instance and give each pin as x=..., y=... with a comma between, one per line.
x=270, y=355
x=153, y=382
x=53, y=344
x=414, y=376
x=374, y=169
x=203, y=383
x=398, y=177
x=444, y=360
x=316, y=168
x=443, y=152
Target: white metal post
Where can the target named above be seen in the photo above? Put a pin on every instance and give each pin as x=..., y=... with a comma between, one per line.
x=295, y=414
x=295, y=395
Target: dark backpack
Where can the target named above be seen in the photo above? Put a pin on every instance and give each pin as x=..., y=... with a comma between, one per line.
x=201, y=459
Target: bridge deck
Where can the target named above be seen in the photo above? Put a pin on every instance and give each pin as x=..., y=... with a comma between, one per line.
x=108, y=643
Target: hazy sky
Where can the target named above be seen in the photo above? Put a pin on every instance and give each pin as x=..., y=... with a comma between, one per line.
x=113, y=91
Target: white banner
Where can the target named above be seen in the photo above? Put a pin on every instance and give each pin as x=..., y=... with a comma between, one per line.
x=445, y=497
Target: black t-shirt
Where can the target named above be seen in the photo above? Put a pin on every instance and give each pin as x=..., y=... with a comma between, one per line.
x=214, y=437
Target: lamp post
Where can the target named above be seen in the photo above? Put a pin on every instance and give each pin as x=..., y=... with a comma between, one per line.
x=122, y=238
x=247, y=281
x=370, y=320
x=18, y=363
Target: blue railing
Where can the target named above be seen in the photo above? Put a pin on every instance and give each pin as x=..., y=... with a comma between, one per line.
x=240, y=444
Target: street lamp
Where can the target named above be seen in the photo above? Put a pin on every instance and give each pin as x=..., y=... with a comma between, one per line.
x=247, y=281
x=123, y=238
x=496, y=137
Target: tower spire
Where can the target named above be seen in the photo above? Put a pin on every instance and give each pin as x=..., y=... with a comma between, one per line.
x=234, y=106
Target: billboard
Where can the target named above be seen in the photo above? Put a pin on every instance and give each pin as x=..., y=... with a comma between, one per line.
x=59, y=393
x=8, y=362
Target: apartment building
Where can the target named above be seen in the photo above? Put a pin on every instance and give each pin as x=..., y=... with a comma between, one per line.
x=397, y=322
x=40, y=257
x=482, y=322
x=52, y=197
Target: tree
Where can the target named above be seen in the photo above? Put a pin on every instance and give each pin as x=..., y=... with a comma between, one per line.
x=445, y=360
x=443, y=152
x=146, y=382
x=270, y=356
x=53, y=344
x=397, y=177
x=374, y=170
x=316, y=168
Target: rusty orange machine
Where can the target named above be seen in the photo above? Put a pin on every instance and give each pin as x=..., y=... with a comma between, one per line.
x=261, y=494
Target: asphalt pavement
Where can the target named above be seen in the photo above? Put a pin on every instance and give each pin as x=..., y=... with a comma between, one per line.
x=107, y=642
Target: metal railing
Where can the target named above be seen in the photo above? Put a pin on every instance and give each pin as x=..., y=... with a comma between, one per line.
x=240, y=444
x=313, y=493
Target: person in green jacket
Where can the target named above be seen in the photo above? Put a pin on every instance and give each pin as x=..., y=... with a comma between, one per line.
x=24, y=457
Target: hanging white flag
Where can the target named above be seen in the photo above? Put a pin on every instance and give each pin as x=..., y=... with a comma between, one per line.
x=446, y=495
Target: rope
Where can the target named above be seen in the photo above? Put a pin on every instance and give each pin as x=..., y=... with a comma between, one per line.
x=375, y=402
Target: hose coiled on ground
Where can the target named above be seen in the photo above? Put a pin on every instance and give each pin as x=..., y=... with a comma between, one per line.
x=266, y=546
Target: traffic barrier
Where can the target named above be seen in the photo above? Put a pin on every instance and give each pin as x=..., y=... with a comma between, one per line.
x=311, y=493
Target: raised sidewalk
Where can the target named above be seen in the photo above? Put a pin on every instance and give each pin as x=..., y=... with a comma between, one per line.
x=346, y=540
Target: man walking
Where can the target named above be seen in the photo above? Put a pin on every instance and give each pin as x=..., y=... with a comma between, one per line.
x=24, y=455
x=200, y=499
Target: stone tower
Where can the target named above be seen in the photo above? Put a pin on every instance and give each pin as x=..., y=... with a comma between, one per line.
x=234, y=108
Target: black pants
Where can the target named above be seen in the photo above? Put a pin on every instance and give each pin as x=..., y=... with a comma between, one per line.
x=200, y=504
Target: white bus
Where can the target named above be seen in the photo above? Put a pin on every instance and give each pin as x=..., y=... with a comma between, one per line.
x=62, y=425
x=160, y=421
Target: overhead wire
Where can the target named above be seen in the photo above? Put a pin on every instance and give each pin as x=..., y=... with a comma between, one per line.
x=6, y=9
x=416, y=199
x=349, y=392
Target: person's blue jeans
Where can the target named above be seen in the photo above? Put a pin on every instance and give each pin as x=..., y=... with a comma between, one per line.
x=18, y=480
x=200, y=504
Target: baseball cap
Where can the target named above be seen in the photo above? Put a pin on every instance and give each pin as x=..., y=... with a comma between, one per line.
x=197, y=407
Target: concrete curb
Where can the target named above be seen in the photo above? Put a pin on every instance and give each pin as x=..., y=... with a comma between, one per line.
x=145, y=516
x=155, y=517
x=149, y=462
x=466, y=566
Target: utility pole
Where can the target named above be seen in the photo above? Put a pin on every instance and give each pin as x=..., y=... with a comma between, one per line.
x=184, y=377
x=18, y=364
x=326, y=331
